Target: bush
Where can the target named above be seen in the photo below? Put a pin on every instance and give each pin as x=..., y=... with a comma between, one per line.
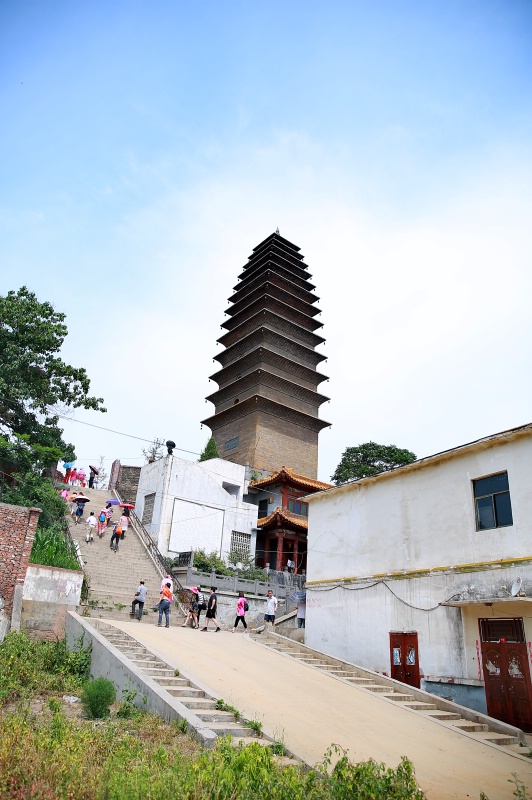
x=28, y=666
x=97, y=698
x=51, y=548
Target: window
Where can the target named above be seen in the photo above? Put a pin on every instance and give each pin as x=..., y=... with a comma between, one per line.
x=492, y=501
x=502, y=630
x=147, y=512
x=263, y=508
x=298, y=508
x=240, y=543
x=231, y=443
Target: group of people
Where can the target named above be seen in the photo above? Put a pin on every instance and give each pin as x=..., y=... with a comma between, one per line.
x=77, y=477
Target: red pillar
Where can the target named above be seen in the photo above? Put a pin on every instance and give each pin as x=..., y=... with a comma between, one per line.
x=280, y=543
x=295, y=556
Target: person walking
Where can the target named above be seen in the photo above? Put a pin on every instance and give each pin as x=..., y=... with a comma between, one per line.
x=164, y=604
x=202, y=605
x=117, y=535
x=301, y=613
x=73, y=477
x=271, y=608
x=241, y=608
x=102, y=522
x=124, y=522
x=192, y=609
x=167, y=579
x=91, y=524
x=92, y=475
x=64, y=495
x=80, y=508
x=139, y=600
x=212, y=604
x=72, y=503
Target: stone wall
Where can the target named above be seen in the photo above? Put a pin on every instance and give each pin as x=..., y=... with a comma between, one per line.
x=128, y=482
x=17, y=532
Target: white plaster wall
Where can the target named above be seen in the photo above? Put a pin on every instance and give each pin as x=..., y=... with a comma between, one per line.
x=420, y=519
x=52, y=585
x=192, y=508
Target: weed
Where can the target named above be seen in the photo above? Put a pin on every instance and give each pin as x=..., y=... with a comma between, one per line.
x=221, y=705
x=255, y=726
x=278, y=748
x=176, y=672
x=97, y=697
x=127, y=708
x=54, y=705
x=119, y=606
x=181, y=725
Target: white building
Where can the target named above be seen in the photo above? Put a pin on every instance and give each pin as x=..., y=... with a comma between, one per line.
x=425, y=574
x=189, y=505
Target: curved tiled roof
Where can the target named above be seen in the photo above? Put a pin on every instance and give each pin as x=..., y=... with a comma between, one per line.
x=287, y=475
x=283, y=517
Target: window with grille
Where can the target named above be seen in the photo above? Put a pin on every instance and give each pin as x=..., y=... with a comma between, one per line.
x=296, y=507
x=147, y=513
x=231, y=443
x=492, y=502
x=502, y=630
x=240, y=543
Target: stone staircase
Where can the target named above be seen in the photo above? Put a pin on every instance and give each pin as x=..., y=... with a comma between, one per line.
x=442, y=711
x=114, y=577
x=203, y=706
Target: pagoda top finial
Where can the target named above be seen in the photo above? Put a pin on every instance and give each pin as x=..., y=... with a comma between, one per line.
x=277, y=230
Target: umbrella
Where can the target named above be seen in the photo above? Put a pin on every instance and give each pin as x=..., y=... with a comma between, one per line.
x=298, y=597
x=81, y=499
x=127, y=505
x=113, y=501
x=68, y=464
x=96, y=471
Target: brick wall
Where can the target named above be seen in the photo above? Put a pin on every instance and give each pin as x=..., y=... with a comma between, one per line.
x=17, y=532
x=128, y=483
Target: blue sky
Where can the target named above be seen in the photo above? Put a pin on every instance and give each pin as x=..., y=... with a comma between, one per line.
x=149, y=146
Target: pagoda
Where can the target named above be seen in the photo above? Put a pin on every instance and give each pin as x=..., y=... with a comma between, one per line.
x=266, y=406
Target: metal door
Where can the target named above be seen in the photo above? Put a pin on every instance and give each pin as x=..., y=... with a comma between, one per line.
x=507, y=682
x=404, y=657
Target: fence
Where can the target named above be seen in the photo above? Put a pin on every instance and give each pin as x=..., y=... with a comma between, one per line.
x=281, y=583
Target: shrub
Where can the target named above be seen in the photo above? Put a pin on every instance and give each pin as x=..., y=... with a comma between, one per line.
x=97, y=698
x=51, y=548
x=28, y=666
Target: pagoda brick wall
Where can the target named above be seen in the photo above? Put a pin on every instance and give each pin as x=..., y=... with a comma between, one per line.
x=271, y=443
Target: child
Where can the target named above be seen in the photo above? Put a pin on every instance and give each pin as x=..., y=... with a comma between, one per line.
x=91, y=524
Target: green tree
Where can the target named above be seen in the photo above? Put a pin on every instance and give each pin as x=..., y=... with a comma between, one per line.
x=370, y=459
x=35, y=383
x=209, y=451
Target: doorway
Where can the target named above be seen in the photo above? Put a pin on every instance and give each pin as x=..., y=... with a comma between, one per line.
x=506, y=671
x=404, y=657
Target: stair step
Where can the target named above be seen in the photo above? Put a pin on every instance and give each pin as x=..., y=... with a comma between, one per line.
x=467, y=725
x=231, y=728
x=418, y=705
x=184, y=691
x=154, y=673
x=443, y=715
x=398, y=697
x=361, y=681
x=216, y=716
x=175, y=681
x=377, y=688
x=198, y=703
x=496, y=738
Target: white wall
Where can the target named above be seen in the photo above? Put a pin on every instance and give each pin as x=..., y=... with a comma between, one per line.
x=197, y=505
x=367, y=540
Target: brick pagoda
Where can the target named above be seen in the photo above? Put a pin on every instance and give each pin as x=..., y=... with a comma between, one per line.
x=266, y=406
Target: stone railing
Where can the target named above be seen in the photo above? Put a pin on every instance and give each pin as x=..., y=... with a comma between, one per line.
x=281, y=583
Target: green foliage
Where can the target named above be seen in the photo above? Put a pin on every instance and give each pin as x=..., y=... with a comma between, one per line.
x=369, y=780
x=210, y=563
x=29, y=489
x=209, y=451
x=181, y=725
x=278, y=748
x=29, y=666
x=51, y=548
x=245, y=566
x=34, y=381
x=255, y=726
x=221, y=705
x=370, y=459
x=97, y=698
x=127, y=708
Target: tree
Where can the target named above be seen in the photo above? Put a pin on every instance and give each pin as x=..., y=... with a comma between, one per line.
x=370, y=459
x=35, y=384
x=209, y=451
x=154, y=452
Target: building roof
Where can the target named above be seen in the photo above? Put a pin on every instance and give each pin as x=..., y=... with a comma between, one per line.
x=287, y=475
x=445, y=455
x=282, y=518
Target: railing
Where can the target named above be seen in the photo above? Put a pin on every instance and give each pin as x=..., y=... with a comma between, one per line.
x=281, y=583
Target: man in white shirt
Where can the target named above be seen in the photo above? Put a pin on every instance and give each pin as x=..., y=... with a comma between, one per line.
x=271, y=608
x=91, y=525
x=140, y=597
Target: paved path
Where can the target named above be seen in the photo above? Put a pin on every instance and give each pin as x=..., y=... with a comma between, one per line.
x=310, y=710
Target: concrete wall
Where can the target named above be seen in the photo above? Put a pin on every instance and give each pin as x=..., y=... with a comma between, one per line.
x=17, y=532
x=384, y=554
x=197, y=505
x=47, y=595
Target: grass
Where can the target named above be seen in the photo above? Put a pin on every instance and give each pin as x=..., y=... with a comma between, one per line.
x=51, y=548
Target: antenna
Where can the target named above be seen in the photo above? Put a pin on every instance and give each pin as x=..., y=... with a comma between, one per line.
x=516, y=587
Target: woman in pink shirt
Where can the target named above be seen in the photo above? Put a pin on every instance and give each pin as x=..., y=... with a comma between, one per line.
x=241, y=608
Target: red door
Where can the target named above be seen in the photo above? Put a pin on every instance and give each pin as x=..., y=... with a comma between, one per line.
x=506, y=672
x=404, y=657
